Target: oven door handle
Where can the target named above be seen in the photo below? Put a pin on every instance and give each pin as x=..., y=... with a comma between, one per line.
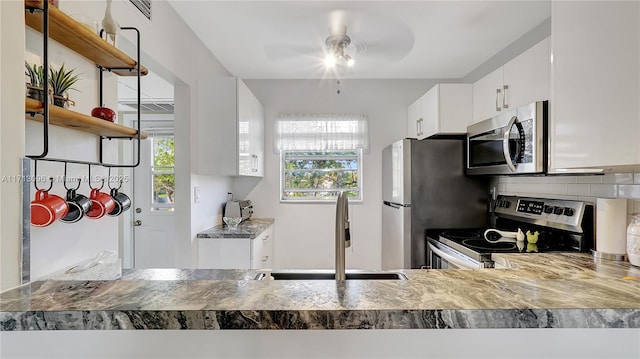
x=451, y=259
x=505, y=144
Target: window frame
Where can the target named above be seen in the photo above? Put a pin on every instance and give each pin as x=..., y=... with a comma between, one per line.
x=360, y=169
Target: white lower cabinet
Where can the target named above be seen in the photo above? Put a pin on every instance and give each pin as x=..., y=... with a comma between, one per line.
x=237, y=253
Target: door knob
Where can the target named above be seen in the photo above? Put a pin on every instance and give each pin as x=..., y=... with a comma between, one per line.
x=137, y=223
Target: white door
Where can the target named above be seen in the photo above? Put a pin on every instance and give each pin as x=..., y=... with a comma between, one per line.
x=153, y=199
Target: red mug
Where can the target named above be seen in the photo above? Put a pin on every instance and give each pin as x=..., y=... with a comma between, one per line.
x=47, y=208
x=101, y=204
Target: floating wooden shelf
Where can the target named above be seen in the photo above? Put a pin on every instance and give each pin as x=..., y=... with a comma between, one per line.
x=80, y=39
x=65, y=118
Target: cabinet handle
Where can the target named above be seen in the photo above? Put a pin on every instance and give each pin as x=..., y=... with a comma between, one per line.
x=264, y=259
x=419, y=124
x=504, y=97
x=418, y=127
x=265, y=238
x=498, y=91
x=254, y=167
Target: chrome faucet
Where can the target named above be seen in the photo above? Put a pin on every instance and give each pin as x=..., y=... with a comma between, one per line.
x=343, y=237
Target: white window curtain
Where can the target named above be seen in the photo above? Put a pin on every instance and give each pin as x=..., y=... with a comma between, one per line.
x=323, y=132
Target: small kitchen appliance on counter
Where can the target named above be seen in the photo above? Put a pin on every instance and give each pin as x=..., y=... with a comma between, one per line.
x=549, y=225
x=242, y=209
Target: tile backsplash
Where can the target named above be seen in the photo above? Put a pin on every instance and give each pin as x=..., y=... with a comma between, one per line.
x=584, y=188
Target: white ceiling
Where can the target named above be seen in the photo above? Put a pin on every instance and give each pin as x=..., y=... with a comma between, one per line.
x=390, y=39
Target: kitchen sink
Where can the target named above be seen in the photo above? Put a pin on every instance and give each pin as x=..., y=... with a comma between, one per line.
x=331, y=276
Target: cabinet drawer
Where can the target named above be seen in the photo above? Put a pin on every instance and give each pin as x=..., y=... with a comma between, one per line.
x=262, y=250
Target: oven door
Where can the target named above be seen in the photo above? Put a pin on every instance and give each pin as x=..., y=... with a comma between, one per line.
x=444, y=257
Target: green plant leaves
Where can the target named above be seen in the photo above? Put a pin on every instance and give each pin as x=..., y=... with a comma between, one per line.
x=60, y=80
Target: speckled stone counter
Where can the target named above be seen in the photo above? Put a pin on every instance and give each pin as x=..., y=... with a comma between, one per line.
x=247, y=229
x=543, y=291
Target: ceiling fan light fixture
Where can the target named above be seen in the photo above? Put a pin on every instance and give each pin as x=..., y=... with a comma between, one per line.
x=336, y=43
x=330, y=60
x=350, y=61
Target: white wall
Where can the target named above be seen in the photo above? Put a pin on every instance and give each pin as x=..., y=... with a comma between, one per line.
x=305, y=232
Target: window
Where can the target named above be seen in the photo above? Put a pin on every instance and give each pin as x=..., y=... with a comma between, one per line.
x=163, y=173
x=321, y=175
x=320, y=156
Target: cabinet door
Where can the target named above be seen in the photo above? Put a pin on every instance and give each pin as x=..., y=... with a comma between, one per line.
x=224, y=253
x=447, y=109
x=257, y=138
x=487, y=96
x=250, y=133
x=526, y=77
x=216, y=122
x=413, y=119
x=262, y=250
x=246, y=162
x=595, y=89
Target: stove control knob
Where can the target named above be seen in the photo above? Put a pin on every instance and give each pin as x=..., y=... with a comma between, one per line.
x=557, y=210
x=568, y=211
x=506, y=204
x=548, y=209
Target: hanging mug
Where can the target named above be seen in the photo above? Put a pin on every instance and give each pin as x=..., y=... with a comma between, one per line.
x=122, y=201
x=47, y=208
x=101, y=204
x=79, y=205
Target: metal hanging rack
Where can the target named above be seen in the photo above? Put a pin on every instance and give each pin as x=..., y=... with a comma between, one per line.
x=45, y=121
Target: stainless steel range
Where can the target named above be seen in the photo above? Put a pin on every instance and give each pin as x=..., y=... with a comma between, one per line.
x=521, y=224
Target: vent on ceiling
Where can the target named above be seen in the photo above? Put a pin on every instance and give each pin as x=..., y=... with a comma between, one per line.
x=147, y=107
x=144, y=6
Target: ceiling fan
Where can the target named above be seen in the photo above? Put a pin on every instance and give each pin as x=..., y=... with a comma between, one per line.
x=336, y=43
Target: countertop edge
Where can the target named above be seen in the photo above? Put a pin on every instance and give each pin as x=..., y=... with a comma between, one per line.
x=318, y=319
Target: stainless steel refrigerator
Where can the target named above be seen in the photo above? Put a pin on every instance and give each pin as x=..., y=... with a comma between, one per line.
x=424, y=187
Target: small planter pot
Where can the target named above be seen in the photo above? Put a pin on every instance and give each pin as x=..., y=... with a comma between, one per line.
x=36, y=93
x=62, y=101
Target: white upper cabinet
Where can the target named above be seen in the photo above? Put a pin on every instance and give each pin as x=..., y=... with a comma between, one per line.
x=444, y=109
x=595, y=87
x=230, y=128
x=521, y=81
x=487, y=96
x=415, y=120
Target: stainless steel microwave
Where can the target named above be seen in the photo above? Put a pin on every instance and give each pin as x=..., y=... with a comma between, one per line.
x=515, y=142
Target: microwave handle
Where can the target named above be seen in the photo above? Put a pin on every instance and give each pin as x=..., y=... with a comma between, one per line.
x=505, y=144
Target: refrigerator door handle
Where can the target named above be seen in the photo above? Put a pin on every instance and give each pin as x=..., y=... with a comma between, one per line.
x=392, y=205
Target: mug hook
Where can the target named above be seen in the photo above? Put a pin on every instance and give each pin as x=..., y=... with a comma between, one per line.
x=98, y=188
x=109, y=182
x=64, y=179
x=35, y=179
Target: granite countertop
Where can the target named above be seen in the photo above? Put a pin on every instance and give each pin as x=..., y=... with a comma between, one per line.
x=542, y=291
x=247, y=229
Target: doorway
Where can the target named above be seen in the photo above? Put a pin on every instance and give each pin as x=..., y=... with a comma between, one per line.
x=148, y=230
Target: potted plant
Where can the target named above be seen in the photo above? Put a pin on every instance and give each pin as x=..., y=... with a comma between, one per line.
x=36, y=80
x=61, y=81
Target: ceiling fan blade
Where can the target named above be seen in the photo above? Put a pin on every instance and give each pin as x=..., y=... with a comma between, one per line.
x=280, y=52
